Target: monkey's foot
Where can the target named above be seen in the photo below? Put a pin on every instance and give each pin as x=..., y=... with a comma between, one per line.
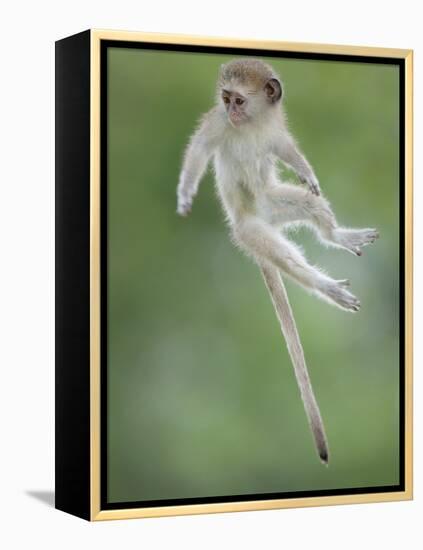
x=312, y=183
x=336, y=292
x=354, y=239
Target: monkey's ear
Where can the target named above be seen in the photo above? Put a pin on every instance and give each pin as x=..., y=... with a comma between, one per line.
x=273, y=90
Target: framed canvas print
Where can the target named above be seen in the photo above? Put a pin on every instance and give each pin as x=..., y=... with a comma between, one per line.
x=233, y=275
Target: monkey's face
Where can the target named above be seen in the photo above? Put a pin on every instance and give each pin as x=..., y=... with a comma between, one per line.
x=236, y=105
x=247, y=104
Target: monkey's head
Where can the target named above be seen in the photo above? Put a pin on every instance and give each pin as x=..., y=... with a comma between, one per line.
x=247, y=89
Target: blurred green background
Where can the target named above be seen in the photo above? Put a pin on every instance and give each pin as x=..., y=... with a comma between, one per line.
x=202, y=397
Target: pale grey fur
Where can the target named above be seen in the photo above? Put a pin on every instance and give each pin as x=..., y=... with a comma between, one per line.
x=289, y=329
x=258, y=206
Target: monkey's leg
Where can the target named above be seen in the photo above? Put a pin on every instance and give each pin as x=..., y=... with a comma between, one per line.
x=288, y=203
x=262, y=241
x=353, y=239
x=283, y=309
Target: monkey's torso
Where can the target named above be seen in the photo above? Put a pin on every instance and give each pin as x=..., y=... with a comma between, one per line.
x=245, y=168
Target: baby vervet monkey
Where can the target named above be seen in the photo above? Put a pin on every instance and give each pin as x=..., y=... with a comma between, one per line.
x=245, y=134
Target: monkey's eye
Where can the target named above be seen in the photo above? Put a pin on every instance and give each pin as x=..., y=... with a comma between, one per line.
x=239, y=101
x=226, y=99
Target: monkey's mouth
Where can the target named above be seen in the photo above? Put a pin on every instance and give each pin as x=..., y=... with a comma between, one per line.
x=236, y=119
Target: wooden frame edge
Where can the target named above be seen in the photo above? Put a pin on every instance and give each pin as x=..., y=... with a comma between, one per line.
x=409, y=270
x=197, y=40
x=249, y=506
x=95, y=276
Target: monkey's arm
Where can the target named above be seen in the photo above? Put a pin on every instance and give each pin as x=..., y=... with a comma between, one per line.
x=197, y=156
x=286, y=149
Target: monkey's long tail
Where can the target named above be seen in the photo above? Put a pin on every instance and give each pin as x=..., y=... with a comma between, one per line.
x=283, y=309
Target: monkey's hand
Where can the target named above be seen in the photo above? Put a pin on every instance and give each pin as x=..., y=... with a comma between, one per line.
x=312, y=183
x=184, y=204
